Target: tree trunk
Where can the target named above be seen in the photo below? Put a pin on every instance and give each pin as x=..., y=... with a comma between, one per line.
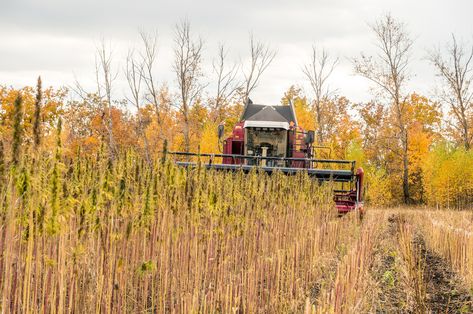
x=405, y=167
x=466, y=136
x=319, y=123
x=186, y=134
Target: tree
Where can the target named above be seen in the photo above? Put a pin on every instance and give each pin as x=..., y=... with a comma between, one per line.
x=134, y=76
x=339, y=128
x=423, y=123
x=317, y=71
x=304, y=112
x=79, y=125
x=51, y=108
x=105, y=75
x=188, y=69
x=227, y=83
x=390, y=73
x=150, y=43
x=373, y=116
x=456, y=73
x=261, y=56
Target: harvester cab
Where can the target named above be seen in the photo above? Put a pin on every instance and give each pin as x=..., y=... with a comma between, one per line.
x=269, y=138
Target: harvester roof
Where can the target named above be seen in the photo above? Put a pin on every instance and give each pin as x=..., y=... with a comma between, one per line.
x=268, y=116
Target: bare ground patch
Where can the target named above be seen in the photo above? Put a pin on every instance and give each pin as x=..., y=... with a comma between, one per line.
x=391, y=295
x=442, y=291
x=445, y=292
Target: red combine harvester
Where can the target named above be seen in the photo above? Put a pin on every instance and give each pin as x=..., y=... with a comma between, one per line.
x=269, y=138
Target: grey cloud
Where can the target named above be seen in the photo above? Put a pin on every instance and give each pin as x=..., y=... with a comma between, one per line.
x=59, y=36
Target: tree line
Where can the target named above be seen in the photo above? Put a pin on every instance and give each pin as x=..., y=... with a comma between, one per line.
x=415, y=149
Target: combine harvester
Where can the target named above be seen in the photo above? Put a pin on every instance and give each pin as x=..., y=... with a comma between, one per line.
x=269, y=138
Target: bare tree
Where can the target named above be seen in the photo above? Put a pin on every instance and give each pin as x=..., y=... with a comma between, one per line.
x=261, y=57
x=318, y=70
x=456, y=73
x=105, y=76
x=390, y=73
x=150, y=43
x=227, y=83
x=188, y=69
x=134, y=76
x=101, y=99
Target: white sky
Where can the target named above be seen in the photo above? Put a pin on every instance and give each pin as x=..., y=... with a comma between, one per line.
x=57, y=38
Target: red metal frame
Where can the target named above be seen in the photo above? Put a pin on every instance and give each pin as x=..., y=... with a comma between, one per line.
x=352, y=200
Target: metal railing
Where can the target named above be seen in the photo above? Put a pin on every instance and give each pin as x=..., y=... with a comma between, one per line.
x=334, y=169
x=307, y=161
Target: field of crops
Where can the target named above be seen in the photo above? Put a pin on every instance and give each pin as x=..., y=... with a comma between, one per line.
x=99, y=235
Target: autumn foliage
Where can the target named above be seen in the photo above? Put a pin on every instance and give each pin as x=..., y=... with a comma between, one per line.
x=440, y=169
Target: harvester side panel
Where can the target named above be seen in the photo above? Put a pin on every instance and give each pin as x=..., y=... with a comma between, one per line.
x=233, y=147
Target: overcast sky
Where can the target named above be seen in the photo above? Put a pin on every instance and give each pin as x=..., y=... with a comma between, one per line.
x=57, y=38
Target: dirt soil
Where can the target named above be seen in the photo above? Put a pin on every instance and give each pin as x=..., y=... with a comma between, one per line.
x=445, y=293
x=385, y=271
